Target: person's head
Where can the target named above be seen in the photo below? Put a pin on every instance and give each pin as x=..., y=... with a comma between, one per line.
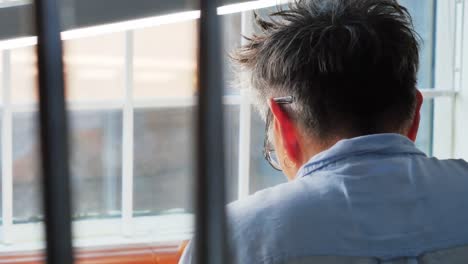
x=349, y=65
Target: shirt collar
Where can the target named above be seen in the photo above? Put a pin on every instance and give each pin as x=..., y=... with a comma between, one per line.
x=377, y=143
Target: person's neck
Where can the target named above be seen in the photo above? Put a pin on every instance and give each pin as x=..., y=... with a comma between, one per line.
x=313, y=145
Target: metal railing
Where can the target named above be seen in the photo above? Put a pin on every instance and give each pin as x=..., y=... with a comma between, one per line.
x=54, y=134
x=210, y=216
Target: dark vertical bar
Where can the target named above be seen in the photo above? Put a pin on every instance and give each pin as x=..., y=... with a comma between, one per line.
x=53, y=131
x=210, y=233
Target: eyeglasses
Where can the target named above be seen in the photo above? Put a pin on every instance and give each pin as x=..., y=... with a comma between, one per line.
x=268, y=149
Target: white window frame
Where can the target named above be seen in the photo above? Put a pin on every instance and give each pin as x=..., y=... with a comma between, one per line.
x=450, y=94
x=451, y=41
x=460, y=147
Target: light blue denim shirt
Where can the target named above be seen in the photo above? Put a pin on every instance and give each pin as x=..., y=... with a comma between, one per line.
x=372, y=196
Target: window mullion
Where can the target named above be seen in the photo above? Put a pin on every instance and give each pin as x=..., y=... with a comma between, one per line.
x=127, y=137
x=245, y=118
x=461, y=102
x=7, y=151
x=244, y=144
x=458, y=44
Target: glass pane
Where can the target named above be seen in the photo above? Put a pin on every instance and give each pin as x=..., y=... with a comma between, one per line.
x=423, y=13
x=23, y=75
x=424, y=20
x=164, y=85
x=444, y=121
x=165, y=61
x=164, y=158
x=96, y=163
x=95, y=72
x=27, y=205
x=425, y=134
x=95, y=78
x=424, y=139
x=164, y=154
x=95, y=67
x=164, y=165
x=231, y=40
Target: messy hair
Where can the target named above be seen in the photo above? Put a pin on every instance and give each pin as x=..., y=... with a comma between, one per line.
x=350, y=65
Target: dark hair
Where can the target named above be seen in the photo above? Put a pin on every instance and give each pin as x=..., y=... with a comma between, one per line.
x=351, y=65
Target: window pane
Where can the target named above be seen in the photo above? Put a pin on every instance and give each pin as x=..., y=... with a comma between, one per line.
x=164, y=154
x=164, y=158
x=27, y=206
x=95, y=67
x=424, y=20
x=95, y=72
x=164, y=80
x=164, y=165
x=425, y=132
x=424, y=139
x=231, y=40
x=95, y=135
x=165, y=61
x=23, y=75
x=96, y=163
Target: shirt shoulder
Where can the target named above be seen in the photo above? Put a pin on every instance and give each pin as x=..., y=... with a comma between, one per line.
x=342, y=208
x=456, y=165
x=266, y=226
x=283, y=198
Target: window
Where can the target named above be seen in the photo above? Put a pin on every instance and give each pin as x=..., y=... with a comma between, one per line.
x=131, y=97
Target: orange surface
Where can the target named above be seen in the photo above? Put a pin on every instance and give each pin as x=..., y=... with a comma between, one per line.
x=167, y=253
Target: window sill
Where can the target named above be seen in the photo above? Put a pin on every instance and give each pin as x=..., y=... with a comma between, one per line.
x=158, y=253
x=105, y=233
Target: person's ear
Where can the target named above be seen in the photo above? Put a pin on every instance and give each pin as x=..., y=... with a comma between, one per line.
x=285, y=129
x=413, y=131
